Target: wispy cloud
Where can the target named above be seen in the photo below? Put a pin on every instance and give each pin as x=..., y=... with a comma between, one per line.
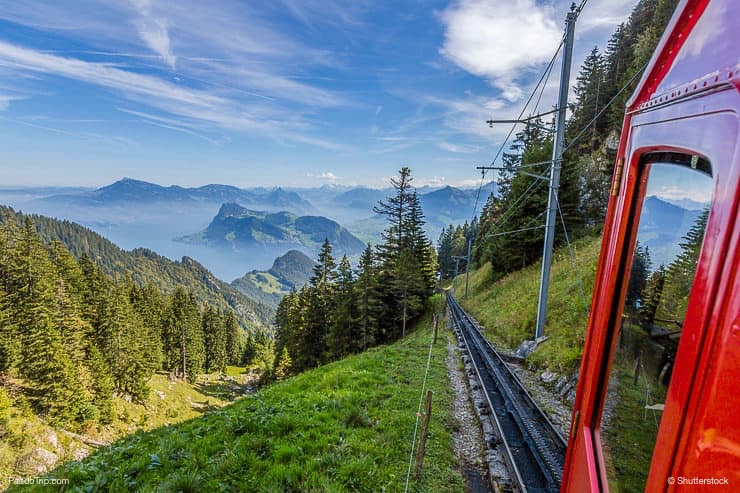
x=188, y=104
x=153, y=31
x=116, y=139
x=457, y=148
x=234, y=70
x=5, y=101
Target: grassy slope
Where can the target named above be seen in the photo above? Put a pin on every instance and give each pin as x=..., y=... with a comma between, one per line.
x=346, y=426
x=508, y=308
x=22, y=431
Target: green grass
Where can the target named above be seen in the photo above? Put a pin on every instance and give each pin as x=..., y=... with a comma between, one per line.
x=630, y=438
x=346, y=426
x=268, y=283
x=508, y=307
x=22, y=431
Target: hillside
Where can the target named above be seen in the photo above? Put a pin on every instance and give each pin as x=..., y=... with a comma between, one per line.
x=346, y=426
x=288, y=271
x=236, y=228
x=29, y=443
x=146, y=266
x=508, y=307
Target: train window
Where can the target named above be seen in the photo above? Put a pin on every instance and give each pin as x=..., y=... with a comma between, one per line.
x=674, y=198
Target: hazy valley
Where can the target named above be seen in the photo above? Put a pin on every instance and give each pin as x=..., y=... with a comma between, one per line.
x=137, y=214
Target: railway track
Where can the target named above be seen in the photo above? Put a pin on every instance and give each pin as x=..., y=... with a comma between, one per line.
x=533, y=448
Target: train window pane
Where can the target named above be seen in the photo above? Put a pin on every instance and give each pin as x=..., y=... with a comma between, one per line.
x=675, y=194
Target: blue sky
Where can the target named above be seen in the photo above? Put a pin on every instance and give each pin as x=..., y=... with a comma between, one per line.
x=288, y=92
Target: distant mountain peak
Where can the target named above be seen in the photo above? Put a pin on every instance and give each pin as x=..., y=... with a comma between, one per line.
x=230, y=209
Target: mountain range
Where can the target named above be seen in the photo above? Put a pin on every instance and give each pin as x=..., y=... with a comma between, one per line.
x=662, y=227
x=137, y=214
x=129, y=190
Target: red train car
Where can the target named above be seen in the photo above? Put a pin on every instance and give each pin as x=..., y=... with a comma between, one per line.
x=658, y=401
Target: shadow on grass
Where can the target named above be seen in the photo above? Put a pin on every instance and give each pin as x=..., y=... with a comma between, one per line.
x=223, y=390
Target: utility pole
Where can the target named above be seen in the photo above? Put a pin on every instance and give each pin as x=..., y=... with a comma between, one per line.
x=467, y=265
x=457, y=259
x=557, y=162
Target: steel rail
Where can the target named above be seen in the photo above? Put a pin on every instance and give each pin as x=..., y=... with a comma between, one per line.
x=534, y=449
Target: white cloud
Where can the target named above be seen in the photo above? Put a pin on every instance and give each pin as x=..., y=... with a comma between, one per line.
x=153, y=31
x=457, y=148
x=499, y=40
x=604, y=14
x=5, y=101
x=696, y=193
x=441, y=181
x=329, y=176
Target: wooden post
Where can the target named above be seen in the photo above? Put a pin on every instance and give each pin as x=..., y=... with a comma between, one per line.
x=436, y=319
x=423, y=438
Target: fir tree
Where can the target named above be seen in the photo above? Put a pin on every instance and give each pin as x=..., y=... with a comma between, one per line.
x=679, y=276
x=46, y=364
x=234, y=344
x=123, y=337
x=342, y=339
x=369, y=304
x=183, y=336
x=283, y=365
x=319, y=306
x=214, y=332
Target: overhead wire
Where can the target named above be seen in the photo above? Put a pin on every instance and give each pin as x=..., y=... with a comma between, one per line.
x=585, y=128
x=544, y=77
x=573, y=258
x=418, y=415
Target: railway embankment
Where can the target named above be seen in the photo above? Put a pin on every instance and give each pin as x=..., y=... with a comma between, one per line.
x=507, y=310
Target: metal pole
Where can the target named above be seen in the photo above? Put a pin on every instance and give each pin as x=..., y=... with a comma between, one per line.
x=467, y=267
x=454, y=279
x=557, y=161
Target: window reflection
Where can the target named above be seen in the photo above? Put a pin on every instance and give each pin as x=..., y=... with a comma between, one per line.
x=673, y=217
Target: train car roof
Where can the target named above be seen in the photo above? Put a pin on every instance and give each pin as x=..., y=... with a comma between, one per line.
x=698, y=52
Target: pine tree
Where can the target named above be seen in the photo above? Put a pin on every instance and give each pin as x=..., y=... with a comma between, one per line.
x=214, y=332
x=283, y=365
x=46, y=364
x=319, y=306
x=679, y=276
x=342, y=339
x=101, y=385
x=290, y=328
x=150, y=306
x=123, y=337
x=369, y=304
x=641, y=268
x=8, y=338
x=590, y=94
x=395, y=209
x=183, y=336
x=444, y=252
x=234, y=343
x=421, y=247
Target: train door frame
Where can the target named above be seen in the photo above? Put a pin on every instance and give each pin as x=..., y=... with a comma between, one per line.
x=704, y=123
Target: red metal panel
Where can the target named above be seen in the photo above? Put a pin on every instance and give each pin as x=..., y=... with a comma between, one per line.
x=689, y=120
x=710, y=439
